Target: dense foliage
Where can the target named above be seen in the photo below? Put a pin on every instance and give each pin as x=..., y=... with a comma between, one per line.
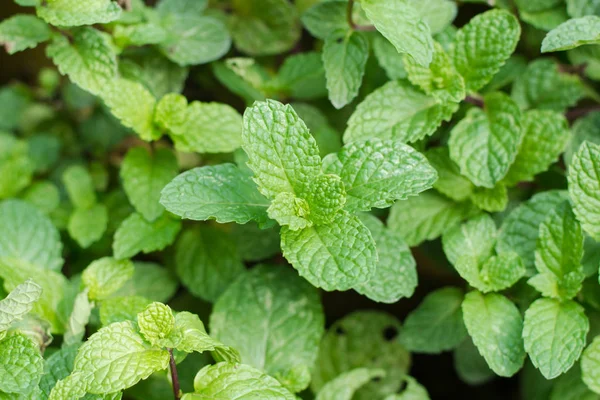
x=181, y=192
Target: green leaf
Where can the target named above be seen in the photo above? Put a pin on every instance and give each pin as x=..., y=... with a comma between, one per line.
x=326, y=199
x=584, y=187
x=485, y=143
x=344, y=386
x=363, y=339
x=326, y=19
x=388, y=57
x=105, y=276
x=470, y=366
x=545, y=136
x=88, y=58
x=495, y=324
x=221, y=192
x=483, y=45
x=16, y=166
x=396, y=111
x=87, y=225
x=302, y=76
x=491, y=200
x=21, y=32
x=492, y=275
x=18, y=303
x=573, y=33
x=136, y=234
x=229, y=381
x=57, y=366
x=139, y=34
x=261, y=301
x=118, y=309
x=400, y=23
x=291, y=211
x=519, y=230
x=590, y=363
x=199, y=127
x=144, y=175
x=21, y=364
x=450, y=182
x=584, y=129
x=475, y=238
x=571, y=386
x=438, y=14
x=554, y=333
x=426, y=217
x=581, y=8
x=29, y=235
x=395, y=275
x=79, y=318
x=151, y=281
x=344, y=60
x=255, y=244
x=206, y=261
x=412, y=390
x=79, y=185
x=378, y=172
x=78, y=12
x=282, y=153
x=156, y=322
x=71, y=387
x=337, y=256
x=117, y=358
x=133, y=105
x=436, y=325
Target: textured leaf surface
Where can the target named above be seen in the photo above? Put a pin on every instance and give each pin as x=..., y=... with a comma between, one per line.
x=326, y=19
x=590, y=365
x=573, y=33
x=220, y=192
x=495, y=324
x=22, y=32
x=105, y=276
x=436, y=325
x=438, y=14
x=344, y=386
x=16, y=165
x=475, y=238
x=302, y=76
x=326, y=198
x=450, y=182
x=485, y=143
x=496, y=273
x=78, y=12
x=144, y=175
x=290, y=211
x=554, y=335
x=378, y=172
x=282, y=320
x=136, y=234
x=156, y=322
x=337, y=256
x=21, y=364
x=584, y=187
x=18, y=303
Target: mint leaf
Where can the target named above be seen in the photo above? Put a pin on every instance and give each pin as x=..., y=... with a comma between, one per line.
x=21, y=32
x=144, y=175
x=156, y=322
x=470, y=366
x=302, y=76
x=475, y=238
x=118, y=309
x=73, y=386
x=400, y=22
x=436, y=325
x=150, y=280
x=584, y=129
x=259, y=301
x=105, y=276
x=290, y=211
x=18, y=303
x=344, y=386
x=337, y=256
x=485, y=143
x=79, y=318
x=19, y=354
x=136, y=234
x=378, y=172
x=221, y=192
x=483, y=45
x=78, y=12
x=326, y=199
x=326, y=19
x=492, y=200
x=438, y=14
x=450, y=182
x=388, y=57
x=580, y=8
x=206, y=261
x=16, y=166
x=573, y=33
x=494, y=274
x=89, y=59
x=80, y=187
x=495, y=324
x=590, y=360
x=584, y=187
x=554, y=334
x=87, y=225
x=344, y=60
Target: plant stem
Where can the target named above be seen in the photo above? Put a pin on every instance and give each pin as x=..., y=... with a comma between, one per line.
x=351, y=22
x=475, y=101
x=174, y=376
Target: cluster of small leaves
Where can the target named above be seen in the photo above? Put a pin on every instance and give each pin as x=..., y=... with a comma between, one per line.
x=319, y=145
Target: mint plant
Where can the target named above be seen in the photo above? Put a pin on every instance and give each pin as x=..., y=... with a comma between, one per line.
x=281, y=199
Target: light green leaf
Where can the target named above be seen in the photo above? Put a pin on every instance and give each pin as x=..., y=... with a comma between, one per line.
x=492, y=275
x=344, y=60
x=397, y=111
x=57, y=366
x=79, y=318
x=495, y=324
x=396, y=274
x=491, y=200
x=426, y=217
x=78, y=12
x=221, y=192
x=87, y=225
x=388, y=57
x=282, y=153
x=326, y=199
x=118, y=309
x=450, y=182
x=327, y=19
x=133, y=105
x=255, y=244
x=136, y=234
x=554, y=333
x=590, y=365
x=485, y=143
x=144, y=175
x=21, y=32
x=206, y=261
x=337, y=256
x=476, y=238
x=378, y=172
x=117, y=358
x=344, y=386
x=156, y=322
x=584, y=187
x=88, y=59
x=105, y=276
x=18, y=303
x=44, y=195
x=150, y=280
x=291, y=211
x=79, y=185
x=16, y=165
x=573, y=33
x=584, y=129
x=483, y=45
x=436, y=325
x=581, y=8
x=71, y=387
x=545, y=136
x=228, y=381
x=21, y=364
x=302, y=76
x=139, y=34
x=438, y=14
x=401, y=23
x=282, y=320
